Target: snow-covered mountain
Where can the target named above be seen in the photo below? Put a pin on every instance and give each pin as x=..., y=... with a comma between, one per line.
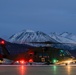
x=27, y=36
x=66, y=42
x=62, y=38
x=69, y=36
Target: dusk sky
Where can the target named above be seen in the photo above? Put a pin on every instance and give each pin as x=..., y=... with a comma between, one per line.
x=38, y=15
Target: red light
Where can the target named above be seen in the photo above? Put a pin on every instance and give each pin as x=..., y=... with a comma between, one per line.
x=30, y=60
x=22, y=61
x=2, y=42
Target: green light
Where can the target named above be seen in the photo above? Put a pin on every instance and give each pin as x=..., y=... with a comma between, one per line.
x=54, y=60
x=61, y=50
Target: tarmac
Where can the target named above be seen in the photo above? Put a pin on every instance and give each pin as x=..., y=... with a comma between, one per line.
x=37, y=70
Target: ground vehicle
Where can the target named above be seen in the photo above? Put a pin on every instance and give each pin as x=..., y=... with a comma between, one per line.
x=48, y=55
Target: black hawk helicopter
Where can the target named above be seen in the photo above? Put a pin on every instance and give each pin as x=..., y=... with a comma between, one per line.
x=46, y=54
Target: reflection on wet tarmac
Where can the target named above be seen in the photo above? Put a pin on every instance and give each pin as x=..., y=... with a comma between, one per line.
x=54, y=68
x=37, y=70
x=22, y=70
x=68, y=68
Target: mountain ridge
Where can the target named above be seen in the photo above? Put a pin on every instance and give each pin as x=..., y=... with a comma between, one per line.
x=27, y=36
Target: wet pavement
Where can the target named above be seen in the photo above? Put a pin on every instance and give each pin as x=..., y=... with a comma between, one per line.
x=37, y=70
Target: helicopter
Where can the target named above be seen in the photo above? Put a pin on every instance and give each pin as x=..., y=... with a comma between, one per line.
x=46, y=55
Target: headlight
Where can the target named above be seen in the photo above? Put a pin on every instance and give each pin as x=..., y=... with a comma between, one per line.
x=68, y=61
